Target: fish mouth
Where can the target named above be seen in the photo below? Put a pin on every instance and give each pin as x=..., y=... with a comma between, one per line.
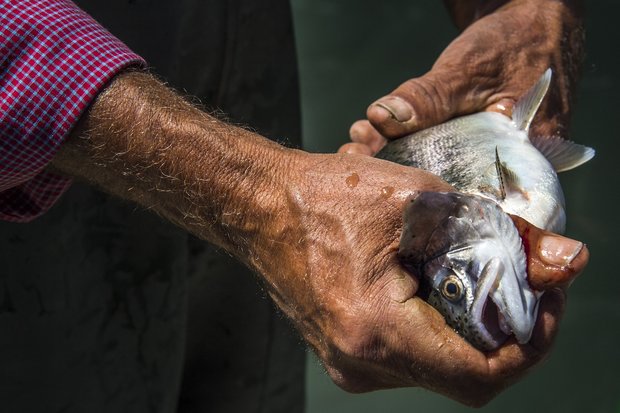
x=495, y=334
x=502, y=307
x=495, y=329
x=484, y=311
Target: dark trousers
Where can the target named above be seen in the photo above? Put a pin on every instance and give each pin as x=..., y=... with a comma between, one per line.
x=107, y=308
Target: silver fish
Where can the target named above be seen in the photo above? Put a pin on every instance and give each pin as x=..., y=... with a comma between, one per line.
x=464, y=245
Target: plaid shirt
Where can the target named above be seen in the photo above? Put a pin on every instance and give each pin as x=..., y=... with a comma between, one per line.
x=54, y=59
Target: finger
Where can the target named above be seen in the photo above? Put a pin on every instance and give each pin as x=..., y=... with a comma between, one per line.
x=504, y=106
x=451, y=366
x=443, y=361
x=356, y=148
x=369, y=370
x=447, y=364
x=554, y=261
x=552, y=306
x=363, y=132
x=426, y=101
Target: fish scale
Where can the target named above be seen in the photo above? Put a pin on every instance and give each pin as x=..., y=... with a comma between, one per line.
x=436, y=149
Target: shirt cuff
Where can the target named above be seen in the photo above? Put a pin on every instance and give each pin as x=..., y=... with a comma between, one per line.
x=54, y=59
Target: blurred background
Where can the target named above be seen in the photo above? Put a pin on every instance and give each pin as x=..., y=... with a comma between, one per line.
x=350, y=54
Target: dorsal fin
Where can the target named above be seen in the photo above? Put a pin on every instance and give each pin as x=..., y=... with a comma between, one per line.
x=562, y=154
x=526, y=107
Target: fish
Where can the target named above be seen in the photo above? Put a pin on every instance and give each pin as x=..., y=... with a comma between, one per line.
x=464, y=244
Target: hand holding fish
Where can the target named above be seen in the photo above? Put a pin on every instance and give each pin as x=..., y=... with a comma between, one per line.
x=494, y=61
x=466, y=249
x=322, y=231
x=487, y=155
x=359, y=308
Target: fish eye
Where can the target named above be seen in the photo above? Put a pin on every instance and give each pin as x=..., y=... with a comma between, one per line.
x=452, y=288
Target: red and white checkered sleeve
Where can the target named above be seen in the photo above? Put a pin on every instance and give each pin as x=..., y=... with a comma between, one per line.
x=54, y=58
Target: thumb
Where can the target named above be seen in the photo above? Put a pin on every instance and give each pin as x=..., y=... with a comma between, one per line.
x=426, y=101
x=554, y=261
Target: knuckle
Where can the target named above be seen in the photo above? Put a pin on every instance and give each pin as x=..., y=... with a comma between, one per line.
x=433, y=92
x=356, y=148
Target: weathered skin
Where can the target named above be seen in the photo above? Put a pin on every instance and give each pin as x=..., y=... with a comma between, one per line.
x=488, y=67
x=293, y=216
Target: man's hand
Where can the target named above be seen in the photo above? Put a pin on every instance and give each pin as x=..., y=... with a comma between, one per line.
x=488, y=67
x=329, y=261
x=321, y=231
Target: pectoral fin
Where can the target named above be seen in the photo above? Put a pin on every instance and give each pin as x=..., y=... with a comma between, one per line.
x=500, y=175
x=562, y=154
x=508, y=180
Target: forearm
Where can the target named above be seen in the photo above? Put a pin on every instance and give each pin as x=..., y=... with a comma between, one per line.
x=142, y=142
x=290, y=216
x=323, y=237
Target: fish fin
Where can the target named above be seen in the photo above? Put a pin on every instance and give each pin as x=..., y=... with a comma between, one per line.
x=562, y=154
x=525, y=109
x=508, y=180
x=500, y=175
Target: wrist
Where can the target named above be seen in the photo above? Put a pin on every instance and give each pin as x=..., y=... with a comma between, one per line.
x=250, y=208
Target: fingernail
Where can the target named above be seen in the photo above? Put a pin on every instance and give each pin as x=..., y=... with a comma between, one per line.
x=559, y=251
x=397, y=108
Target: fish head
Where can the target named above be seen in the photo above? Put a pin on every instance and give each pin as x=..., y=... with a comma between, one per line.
x=470, y=258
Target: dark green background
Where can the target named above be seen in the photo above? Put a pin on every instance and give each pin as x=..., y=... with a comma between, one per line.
x=354, y=52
